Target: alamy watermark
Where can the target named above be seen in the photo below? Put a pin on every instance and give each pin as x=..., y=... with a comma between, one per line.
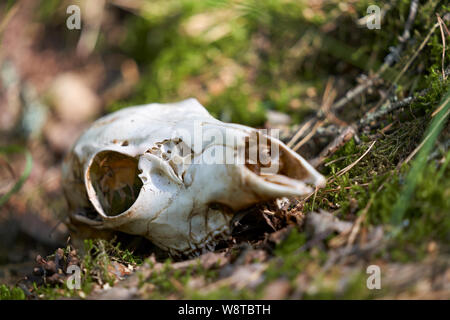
x=204, y=144
x=373, y=18
x=74, y=280
x=374, y=280
x=73, y=22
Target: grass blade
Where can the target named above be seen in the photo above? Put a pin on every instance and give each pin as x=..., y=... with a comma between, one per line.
x=25, y=174
x=419, y=163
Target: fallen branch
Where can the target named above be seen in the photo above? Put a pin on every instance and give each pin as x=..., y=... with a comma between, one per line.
x=394, y=55
x=385, y=109
x=308, y=136
x=353, y=93
x=443, y=27
x=416, y=53
x=335, y=145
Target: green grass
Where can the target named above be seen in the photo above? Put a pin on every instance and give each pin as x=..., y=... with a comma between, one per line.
x=98, y=256
x=25, y=174
x=14, y=293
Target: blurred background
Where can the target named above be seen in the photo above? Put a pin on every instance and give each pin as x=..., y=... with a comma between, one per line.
x=261, y=63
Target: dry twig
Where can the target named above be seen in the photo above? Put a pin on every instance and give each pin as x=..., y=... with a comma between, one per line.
x=442, y=26
x=343, y=171
x=335, y=145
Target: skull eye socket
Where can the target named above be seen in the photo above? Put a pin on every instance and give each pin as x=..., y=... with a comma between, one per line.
x=115, y=179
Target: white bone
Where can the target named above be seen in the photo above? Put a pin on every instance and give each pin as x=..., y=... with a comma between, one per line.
x=185, y=204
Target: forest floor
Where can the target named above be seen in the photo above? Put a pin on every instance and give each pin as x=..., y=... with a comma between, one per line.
x=367, y=107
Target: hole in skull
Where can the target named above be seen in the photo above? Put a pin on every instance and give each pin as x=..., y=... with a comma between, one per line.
x=114, y=177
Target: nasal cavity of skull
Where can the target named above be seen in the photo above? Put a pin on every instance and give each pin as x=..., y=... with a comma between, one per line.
x=115, y=179
x=259, y=155
x=172, y=151
x=162, y=149
x=123, y=143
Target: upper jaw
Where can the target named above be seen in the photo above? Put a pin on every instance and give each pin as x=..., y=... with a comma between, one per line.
x=288, y=174
x=271, y=186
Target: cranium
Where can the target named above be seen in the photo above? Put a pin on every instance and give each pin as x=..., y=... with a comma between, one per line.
x=175, y=175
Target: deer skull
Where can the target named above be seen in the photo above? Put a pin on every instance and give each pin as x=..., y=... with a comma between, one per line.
x=175, y=175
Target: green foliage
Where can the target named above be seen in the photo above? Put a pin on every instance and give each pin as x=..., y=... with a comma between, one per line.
x=418, y=166
x=99, y=256
x=172, y=55
x=436, y=89
x=25, y=174
x=10, y=4
x=254, y=56
x=47, y=9
x=425, y=216
x=289, y=261
x=14, y=293
x=417, y=195
x=291, y=244
x=166, y=280
x=226, y=293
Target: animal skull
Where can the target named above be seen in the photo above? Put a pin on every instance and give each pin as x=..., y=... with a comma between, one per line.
x=175, y=175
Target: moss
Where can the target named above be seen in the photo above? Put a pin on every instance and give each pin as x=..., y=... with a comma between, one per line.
x=425, y=219
x=226, y=293
x=436, y=88
x=288, y=262
x=426, y=215
x=47, y=9
x=376, y=176
x=161, y=282
x=13, y=293
x=95, y=265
